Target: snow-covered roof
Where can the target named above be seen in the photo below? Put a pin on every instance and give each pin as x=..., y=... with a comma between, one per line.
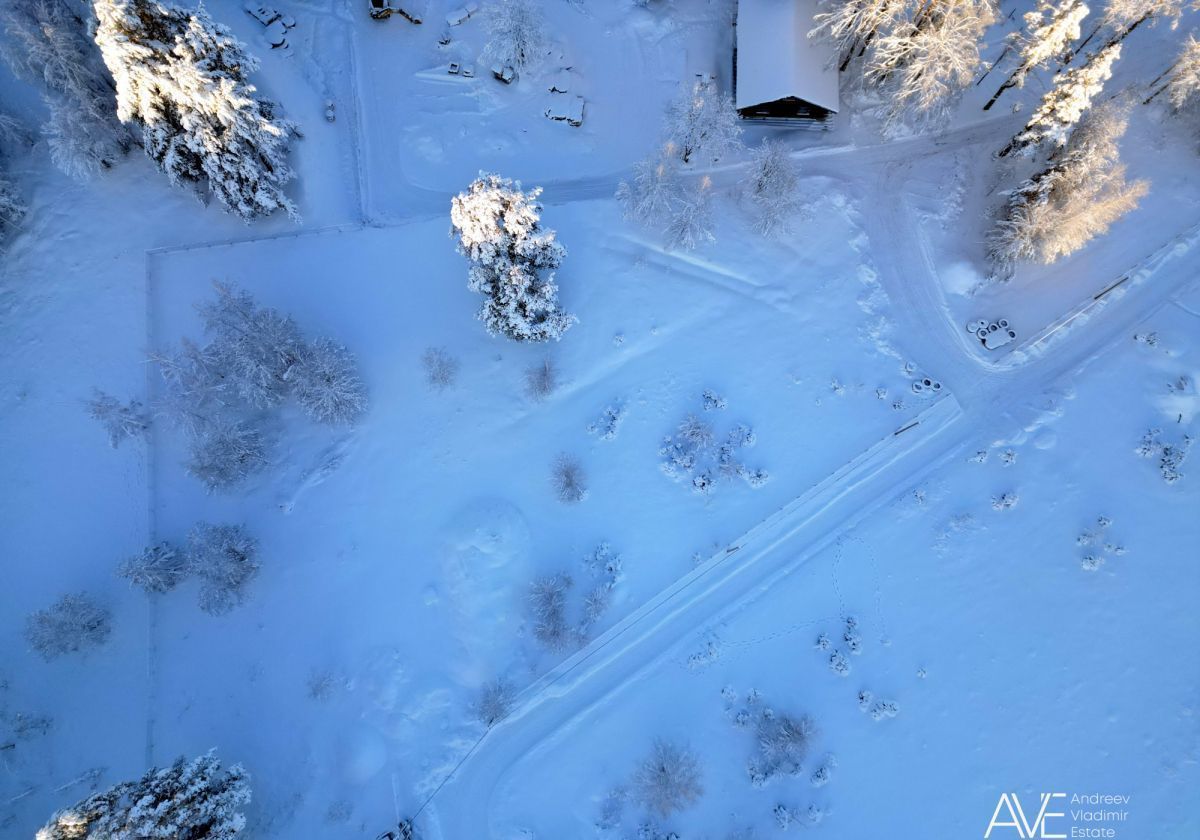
x=776, y=58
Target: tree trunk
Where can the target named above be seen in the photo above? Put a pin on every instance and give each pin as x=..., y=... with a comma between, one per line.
x=1011, y=81
x=992, y=66
x=1116, y=39
x=1071, y=55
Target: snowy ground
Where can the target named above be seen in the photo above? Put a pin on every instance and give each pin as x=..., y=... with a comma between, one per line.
x=397, y=555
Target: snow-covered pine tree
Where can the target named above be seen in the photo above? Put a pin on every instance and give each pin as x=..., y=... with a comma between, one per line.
x=1065, y=103
x=1080, y=194
x=702, y=122
x=1182, y=78
x=182, y=77
x=654, y=191
x=925, y=64
x=773, y=189
x=121, y=421
x=190, y=800
x=692, y=221
x=225, y=558
x=499, y=229
x=516, y=35
x=1048, y=34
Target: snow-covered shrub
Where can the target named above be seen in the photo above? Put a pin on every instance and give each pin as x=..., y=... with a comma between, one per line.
x=1005, y=501
x=1170, y=455
x=839, y=664
x=548, y=605
x=158, y=569
x=668, y=780
x=713, y=401
x=568, y=479
x=225, y=559
x=494, y=702
x=181, y=77
x=655, y=191
x=516, y=35
x=223, y=455
x=822, y=775
x=608, y=423
x=441, y=369
x=782, y=745
x=692, y=454
x=702, y=123
x=604, y=565
x=326, y=384
x=541, y=380
x=773, y=189
x=47, y=43
x=1076, y=198
x=74, y=623
x=499, y=230
x=691, y=222
x=121, y=421
x=852, y=637
x=192, y=800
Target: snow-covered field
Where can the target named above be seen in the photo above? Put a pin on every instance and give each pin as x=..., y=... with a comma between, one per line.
x=1006, y=590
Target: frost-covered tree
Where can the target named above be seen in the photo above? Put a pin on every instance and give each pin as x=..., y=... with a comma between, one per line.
x=326, y=383
x=926, y=63
x=773, y=189
x=120, y=420
x=158, y=569
x=851, y=25
x=1047, y=36
x=702, y=123
x=499, y=229
x=223, y=454
x=516, y=34
x=654, y=191
x=568, y=479
x=1077, y=198
x=73, y=624
x=783, y=742
x=181, y=77
x=47, y=42
x=1182, y=78
x=691, y=223
x=12, y=209
x=190, y=800
x=668, y=780
x=1065, y=103
x=225, y=559
x=494, y=702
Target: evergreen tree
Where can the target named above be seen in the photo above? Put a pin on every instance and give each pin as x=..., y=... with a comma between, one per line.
x=499, y=229
x=190, y=800
x=181, y=77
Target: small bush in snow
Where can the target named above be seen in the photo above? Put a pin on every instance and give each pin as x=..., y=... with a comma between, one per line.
x=74, y=624
x=609, y=423
x=568, y=479
x=499, y=230
x=692, y=454
x=822, y=775
x=225, y=559
x=1170, y=455
x=158, y=569
x=193, y=800
x=224, y=455
x=495, y=701
x=12, y=209
x=691, y=222
x=120, y=421
x=441, y=369
x=541, y=380
x=326, y=384
x=548, y=604
x=668, y=780
x=783, y=744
